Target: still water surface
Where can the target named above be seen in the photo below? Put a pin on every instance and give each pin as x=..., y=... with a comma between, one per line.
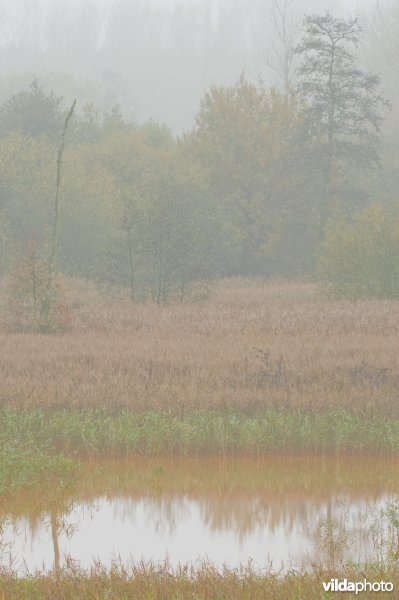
x=289, y=511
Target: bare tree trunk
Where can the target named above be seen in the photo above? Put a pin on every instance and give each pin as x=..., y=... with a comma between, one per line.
x=130, y=249
x=131, y=268
x=286, y=30
x=32, y=264
x=49, y=303
x=54, y=535
x=326, y=196
x=183, y=286
x=160, y=261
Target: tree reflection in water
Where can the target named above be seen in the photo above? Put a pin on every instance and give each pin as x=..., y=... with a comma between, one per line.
x=323, y=504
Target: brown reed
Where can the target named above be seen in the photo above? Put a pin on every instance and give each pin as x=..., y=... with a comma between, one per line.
x=250, y=346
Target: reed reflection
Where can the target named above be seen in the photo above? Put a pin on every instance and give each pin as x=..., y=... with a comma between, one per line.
x=286, y=509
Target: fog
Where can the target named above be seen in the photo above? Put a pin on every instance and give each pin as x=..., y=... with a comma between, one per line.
x=199, y=267
x=153, y=58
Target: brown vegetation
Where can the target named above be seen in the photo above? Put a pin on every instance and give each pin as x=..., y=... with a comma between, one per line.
x=250, y=346
x=150, y=582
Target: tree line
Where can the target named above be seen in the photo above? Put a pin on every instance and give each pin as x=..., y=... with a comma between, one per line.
x=265, y=183
x=156, y=58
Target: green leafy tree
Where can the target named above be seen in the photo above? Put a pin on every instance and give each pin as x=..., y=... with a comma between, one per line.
x=247, y=140
x=26, y=184
x=166, y=239
x=360, y=259
x=7, y=243
x=113, y=119
x=179, y=230
x=87, y=127
x=33, y=113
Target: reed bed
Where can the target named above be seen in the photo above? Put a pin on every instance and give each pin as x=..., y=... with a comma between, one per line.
x=253, y=369
x=250, y=347
x=205, y=582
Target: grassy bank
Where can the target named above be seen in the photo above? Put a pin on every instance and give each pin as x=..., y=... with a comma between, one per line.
x=151, y=583
x=101, y=433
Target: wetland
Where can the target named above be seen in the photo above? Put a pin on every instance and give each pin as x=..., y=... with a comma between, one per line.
x=244, y=447
x=281, y=512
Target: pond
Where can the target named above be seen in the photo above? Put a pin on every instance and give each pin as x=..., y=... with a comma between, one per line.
x=277, y=511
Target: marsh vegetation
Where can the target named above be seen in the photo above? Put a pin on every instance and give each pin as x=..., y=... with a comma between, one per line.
x=254, y=370
x=251, y=346
x=121, y=527
x=198, y=330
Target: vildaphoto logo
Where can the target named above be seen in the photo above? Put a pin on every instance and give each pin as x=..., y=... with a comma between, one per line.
x=343, y=585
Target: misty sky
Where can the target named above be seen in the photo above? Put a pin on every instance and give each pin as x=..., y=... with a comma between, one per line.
x=153, y=58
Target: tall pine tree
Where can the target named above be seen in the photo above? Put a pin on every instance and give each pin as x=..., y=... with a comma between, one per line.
x=343, y=103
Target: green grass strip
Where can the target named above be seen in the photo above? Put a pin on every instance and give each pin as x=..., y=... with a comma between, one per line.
x=98, y=433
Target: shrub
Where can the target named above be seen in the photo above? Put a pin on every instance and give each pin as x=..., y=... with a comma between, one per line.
x=360, y=259
x=27, y=291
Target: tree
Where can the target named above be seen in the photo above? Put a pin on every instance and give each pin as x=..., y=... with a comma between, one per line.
x=26, y=185
x=33, y=113
x=166, y=241
x=179, y=227
x=343, y=103
x=247, y=140
x=360, y=259
x=286, y=29
x=6, y=243
x=113, y=119
x=37, y=279
x=48, y=305
x=26, y=285
x=87, y=128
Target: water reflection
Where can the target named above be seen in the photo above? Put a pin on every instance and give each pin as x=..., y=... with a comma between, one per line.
x=282, y=510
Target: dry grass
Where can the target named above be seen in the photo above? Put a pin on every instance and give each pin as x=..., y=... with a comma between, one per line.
x=313, y=354
x=149, y=582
